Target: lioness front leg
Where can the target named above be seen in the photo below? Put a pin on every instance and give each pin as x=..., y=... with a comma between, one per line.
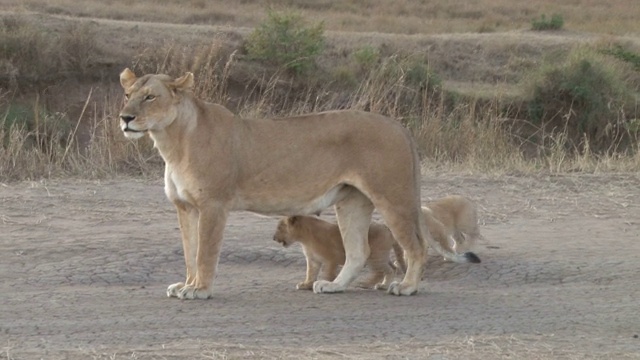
x=211, y=222
x=188, y=221
x=354, y=218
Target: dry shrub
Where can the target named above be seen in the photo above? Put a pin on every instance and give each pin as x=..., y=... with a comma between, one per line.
x=210, y=64
x=50, y=150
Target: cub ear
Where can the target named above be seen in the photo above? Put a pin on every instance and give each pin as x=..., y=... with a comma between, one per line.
x=127, y=78
x=184, y=82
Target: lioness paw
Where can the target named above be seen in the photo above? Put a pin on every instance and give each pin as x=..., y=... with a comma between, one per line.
x=326, y=287
x=304, y=286
x=190, y=292
x=400, y=288
x=173, y=289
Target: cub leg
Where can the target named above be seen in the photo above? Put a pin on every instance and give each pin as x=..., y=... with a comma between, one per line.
x=329, y=271
x=313, y=268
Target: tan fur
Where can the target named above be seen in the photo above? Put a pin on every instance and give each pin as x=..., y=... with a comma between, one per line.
x=216, y=163
x=453, y=222
x=323, y=249
x=453, y=218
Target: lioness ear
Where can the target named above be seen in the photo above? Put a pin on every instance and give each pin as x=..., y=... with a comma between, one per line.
x=184, y=83
x=292, y=220
x=127, y=78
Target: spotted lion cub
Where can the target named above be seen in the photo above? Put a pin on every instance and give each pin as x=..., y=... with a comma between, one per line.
x=323, y=248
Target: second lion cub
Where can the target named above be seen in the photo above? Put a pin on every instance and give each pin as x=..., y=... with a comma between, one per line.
x=322, y=246
x=455, y=219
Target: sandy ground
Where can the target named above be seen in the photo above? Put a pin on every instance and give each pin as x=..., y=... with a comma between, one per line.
x=84, y=267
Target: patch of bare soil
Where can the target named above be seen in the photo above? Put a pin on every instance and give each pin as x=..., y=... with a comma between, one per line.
x=84, y=267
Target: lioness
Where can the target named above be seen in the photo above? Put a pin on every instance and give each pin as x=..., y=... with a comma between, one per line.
x=216, y=163
x=322, y=246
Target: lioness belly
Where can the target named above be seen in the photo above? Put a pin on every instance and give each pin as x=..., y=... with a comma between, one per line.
x=283, y=203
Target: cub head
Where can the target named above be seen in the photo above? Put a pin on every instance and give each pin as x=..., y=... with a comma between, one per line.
x=285, y=232
x=150, y=101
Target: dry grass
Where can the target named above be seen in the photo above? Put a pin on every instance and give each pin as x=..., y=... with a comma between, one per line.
x=473, y=134
x=402, y=16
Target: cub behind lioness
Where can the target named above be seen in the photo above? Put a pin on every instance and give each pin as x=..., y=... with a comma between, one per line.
x=455, y=219
x=323, y=248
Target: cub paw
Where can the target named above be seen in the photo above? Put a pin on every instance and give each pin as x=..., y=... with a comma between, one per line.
x=190, y=292
x=304, y=286
x=173, y=289
x=327, y=287
x=400, y=288
x=381, y=286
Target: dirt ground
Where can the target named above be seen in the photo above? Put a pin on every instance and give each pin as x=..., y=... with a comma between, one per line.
x=84, y=266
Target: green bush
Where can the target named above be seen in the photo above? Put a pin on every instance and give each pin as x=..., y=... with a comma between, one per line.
x=284, y=40
x=556, y=22
x=621, y=53
x=366, y=57
x=587, y=98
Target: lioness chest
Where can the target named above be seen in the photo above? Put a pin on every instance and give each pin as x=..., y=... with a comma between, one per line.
x=175, y=187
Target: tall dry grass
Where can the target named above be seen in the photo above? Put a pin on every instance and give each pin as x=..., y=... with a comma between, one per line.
x=466, y=135
x=49, y=151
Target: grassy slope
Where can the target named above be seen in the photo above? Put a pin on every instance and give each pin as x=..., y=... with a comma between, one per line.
x=489, y=65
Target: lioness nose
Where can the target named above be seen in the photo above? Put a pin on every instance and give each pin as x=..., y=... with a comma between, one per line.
x=127, y=118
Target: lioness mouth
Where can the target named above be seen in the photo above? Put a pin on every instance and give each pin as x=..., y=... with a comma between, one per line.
x=132, y=130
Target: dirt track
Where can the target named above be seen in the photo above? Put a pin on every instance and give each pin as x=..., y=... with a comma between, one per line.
x=84, y=267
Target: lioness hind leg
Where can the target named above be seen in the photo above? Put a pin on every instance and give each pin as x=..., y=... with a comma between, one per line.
x=403, y=223
x=354, y=217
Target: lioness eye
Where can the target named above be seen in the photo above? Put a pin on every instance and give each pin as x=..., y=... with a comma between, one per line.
x=149, y=97
x=126, y=96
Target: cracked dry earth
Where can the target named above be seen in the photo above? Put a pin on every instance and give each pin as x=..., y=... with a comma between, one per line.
x=84, y=266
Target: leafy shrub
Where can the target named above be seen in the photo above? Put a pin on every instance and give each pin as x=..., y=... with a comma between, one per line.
x=620, y=52
x=587, y=98
x=366, y=57
x=284, y=40
x=556, y=22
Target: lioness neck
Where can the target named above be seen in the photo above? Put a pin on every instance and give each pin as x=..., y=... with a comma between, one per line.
x=193, y=126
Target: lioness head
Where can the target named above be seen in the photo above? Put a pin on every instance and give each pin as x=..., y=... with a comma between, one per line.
x=285, y=231
x=150, y=101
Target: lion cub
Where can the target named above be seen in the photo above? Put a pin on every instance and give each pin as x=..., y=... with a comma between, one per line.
x=453, y=218
x=323, y=248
